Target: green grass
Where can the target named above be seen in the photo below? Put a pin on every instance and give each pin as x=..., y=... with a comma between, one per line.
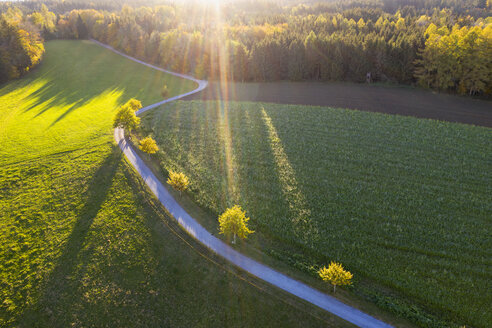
x=83, y=242
x=404, y=203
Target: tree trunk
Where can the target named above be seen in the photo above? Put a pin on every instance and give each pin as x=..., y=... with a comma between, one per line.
x=334, y=288
x=234, y=239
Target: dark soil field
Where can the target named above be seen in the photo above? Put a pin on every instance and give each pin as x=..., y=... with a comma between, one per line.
x=374, y=98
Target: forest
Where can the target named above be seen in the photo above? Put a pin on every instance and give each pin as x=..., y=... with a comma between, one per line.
x=443, y=45
x=21, y=45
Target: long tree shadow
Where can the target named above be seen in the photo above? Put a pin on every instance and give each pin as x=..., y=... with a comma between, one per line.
x=11, y=86
x=50, y=96
x=51, y=309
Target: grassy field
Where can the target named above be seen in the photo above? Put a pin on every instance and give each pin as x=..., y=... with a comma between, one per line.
x=83, y=242
x=404, y=203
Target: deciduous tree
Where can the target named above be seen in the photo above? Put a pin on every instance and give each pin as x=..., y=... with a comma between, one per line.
x=134, y=104
x=336, y=275
x=21, y=48
x=178, y=181
x=234, y=222
x=126, y=119
x=148, y=145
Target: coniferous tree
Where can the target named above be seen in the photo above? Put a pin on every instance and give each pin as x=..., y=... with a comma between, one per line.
x=82, y=31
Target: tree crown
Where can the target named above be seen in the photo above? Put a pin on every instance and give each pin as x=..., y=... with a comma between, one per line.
x=335, y=274
x=233, y=222
x=126, y=119
x=133, y=104
x=148, y=145
x=178, y=180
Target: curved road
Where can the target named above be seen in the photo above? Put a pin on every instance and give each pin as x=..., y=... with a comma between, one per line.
x=253, y=267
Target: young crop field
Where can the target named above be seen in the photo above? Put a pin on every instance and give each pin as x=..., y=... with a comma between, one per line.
x=83, y=242
x=402, y=202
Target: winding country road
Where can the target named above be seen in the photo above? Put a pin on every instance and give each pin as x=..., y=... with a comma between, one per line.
x=253, y=267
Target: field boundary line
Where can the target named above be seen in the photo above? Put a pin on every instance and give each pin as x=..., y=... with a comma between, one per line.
x=192, y=227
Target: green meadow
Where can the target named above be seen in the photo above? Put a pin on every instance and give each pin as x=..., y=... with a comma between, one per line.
x=83, y=242
x=403, y=203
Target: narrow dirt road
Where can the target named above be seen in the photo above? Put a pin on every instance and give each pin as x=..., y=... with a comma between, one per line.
x=255, y=268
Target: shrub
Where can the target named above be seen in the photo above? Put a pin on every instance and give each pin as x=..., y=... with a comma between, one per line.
x=164, y=91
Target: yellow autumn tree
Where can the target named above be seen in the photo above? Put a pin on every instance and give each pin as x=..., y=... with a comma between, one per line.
x=456, y=59
x=336, y=275
x=134, y=104
x=234, y=222
x=178, y=181
x=148, y=145
x=126, y=119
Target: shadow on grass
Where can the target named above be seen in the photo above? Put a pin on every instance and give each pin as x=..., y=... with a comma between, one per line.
x=10, y=86
x=60, y=289
x=55, y=90
x=51, y=95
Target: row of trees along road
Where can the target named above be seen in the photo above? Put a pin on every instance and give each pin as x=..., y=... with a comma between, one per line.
x=233, y=222
x=259, y=41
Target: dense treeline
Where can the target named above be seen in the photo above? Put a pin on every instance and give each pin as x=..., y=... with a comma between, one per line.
x=21, y=46
x=457, y=59
x=266, y=7
x=440, y=44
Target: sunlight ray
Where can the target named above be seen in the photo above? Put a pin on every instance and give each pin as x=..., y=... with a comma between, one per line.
x=230, y=167
x=304, y=227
